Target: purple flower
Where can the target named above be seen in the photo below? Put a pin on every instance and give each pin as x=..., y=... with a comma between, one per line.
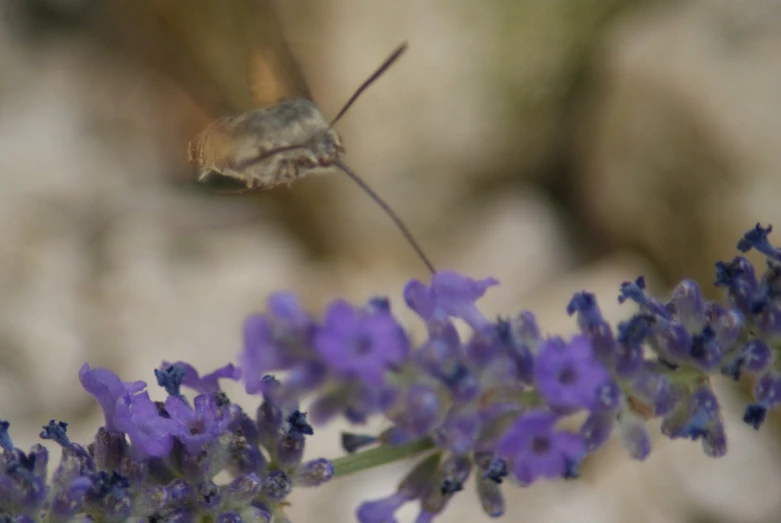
x=442, y=349
x=57, y=432
x=568, y=375
x=208, y=383
x=422, y=412
x=6, y=443
x=381, y=510
x=22, y=480
x=450, y=295
x=355, y=400
x=651, y=386
x=170, y=378
x=110, y=495
x=702, y=421
x=150, y=433
x=274, y=341
x=743, y=289
x=242, y=490
x=597, y=428
x=756, y=238
x=705, y=351
x=755, y=356
x=688, y=305
x=535, y=449
x=107, y=389
x=200, y=424
x=360, y=345
x=632, y=334
x=635, y=291
x=425, y=516
x=755, y=415
x=593, y=325
x=459, y=431
x=261, y=353
x=285, y=307
x=314, y=473
x=727, y=323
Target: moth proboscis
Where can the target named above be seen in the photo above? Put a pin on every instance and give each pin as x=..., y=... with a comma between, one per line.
x=275, y=145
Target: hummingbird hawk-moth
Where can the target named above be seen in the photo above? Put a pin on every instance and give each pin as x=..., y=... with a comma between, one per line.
x=279, y=134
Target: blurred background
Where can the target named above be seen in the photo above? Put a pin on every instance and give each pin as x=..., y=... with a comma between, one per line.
x=556, y=145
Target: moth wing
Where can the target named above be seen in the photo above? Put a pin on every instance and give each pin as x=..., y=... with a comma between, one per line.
x=273, y=74
x=208, y=48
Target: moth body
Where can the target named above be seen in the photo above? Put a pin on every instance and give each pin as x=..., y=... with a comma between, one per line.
x=267, y=147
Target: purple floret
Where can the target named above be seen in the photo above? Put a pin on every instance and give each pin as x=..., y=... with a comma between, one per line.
x=200, y=424
x=208, y=383
x=150, y=433
x=360, y=345
x=107, y=389
x=450, y=295
x=567, y=375
x=535, y=449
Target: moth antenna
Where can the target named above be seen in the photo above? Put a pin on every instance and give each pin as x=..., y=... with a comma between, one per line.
x=387, y=63
x=392, y=215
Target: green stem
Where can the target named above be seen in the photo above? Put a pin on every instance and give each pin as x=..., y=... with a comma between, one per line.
x=378, y=456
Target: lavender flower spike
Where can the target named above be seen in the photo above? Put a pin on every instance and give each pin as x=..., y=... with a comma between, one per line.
x=492, y=402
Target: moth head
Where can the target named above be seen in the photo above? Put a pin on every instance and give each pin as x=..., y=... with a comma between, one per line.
x=328, y=147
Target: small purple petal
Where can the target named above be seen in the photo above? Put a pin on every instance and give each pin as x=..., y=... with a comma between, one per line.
x=200, y=424
x=381, y=510
x=768, y=321
x=728, y=326
x=5, y=436
x=208, y=383
x=262, y=353
x=107, y=388
x=285, y=306
x=151, y=434
x=420, y=299
x=568, y=375
x=688, y=305
x=593, y=325
x=450, y=295
x=242, y=490
x=459, y=432
x=535, y=450
x=756, y=238
x=757, y=356
x=360, y=346
x=739, y=278
x=423, y=410
x=635, y=291
x=755, y=414
x=314, y=473
x=596, y=429
x=767, y=389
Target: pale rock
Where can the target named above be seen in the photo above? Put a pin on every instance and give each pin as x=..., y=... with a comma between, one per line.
x=680, y=154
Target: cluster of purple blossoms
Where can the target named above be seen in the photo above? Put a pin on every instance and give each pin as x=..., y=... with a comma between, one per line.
x=158, y=461
x=505, y=405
